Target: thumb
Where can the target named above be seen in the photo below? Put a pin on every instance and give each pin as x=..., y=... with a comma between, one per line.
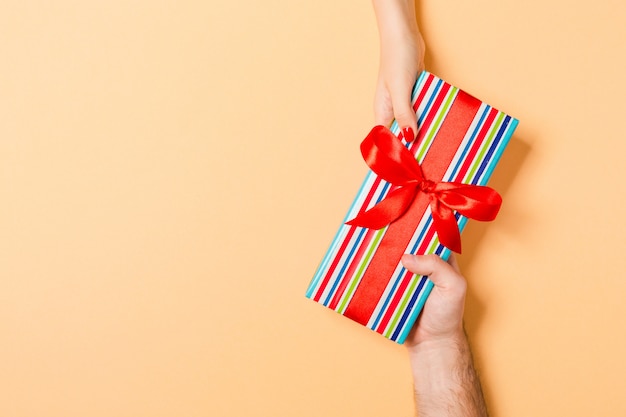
x=442, y=274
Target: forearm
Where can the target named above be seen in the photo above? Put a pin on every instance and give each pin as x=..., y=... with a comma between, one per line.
x=401, y=59
x=446, y=383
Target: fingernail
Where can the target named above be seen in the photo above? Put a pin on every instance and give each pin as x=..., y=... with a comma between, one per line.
x=407, y=258
x=408, y=133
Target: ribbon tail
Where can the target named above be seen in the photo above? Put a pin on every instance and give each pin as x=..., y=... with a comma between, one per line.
x=446, y=226
x=473, y=201
x=388, y=210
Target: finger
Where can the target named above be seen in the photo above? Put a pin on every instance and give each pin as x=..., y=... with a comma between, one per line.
x=402, y=108
x=438, y=271
x=454, y=262
x=383, y=112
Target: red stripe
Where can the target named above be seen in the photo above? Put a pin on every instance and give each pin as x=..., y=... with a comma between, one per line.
x=406, y=279
x=344, y=244
x=350, y=272
x=356, y=259
x=476, y=145
x=322, y=287
x=396, y=299
x=329, y=274
x=399, y=233
x=422, y=93
x=428, y=120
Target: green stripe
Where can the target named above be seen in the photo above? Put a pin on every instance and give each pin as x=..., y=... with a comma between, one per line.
x=409, y=292
x=438, y=121
x=419, y=305
x=435, y=242
x=485, y=146
x=443, y=110
x=452, y=93
x=402, y=306
x=356, y=278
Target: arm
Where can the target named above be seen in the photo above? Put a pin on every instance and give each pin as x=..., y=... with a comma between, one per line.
x=446, y=383
x=401, y=59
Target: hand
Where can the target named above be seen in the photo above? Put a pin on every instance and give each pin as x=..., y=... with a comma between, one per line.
x=402, y=52
x=445, y=381
x=441, y=320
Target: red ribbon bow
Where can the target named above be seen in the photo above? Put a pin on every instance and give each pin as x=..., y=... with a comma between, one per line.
x=387, y=157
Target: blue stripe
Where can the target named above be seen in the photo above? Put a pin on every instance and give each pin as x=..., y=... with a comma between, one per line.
x=505, y=141
x=444, y=253
x=352, y=251
x=324, y=265
x=462, y=221
x=399, y=278
x=440, y=250
x=424, y=287
x=437, y=87
x=416, y=88
x=469, y=143
x=429, y=103
x=503, y=135
x=487, y=159
x=344, y=266
x=410, y=310
x=412, y=302
x=421, y=79
x=322, y=268
x=416, y=311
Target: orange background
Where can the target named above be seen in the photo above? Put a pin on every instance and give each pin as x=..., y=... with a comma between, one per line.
x=172, y=172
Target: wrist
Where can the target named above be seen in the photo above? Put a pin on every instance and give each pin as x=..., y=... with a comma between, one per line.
x=437, y=362
x=444, y=378
x=435, y=345
x=398, y=32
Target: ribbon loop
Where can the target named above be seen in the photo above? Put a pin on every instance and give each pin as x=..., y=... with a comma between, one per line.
x=390, y=160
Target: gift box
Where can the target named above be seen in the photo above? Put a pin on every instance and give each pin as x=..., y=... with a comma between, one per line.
x=415, y=200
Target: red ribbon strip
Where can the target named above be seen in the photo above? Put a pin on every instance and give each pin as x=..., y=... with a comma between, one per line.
x=387, y=157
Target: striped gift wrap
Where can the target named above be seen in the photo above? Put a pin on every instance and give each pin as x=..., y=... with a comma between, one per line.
x=361, y=276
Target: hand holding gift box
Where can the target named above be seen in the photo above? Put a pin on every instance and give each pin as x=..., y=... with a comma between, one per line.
x=409, y=207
